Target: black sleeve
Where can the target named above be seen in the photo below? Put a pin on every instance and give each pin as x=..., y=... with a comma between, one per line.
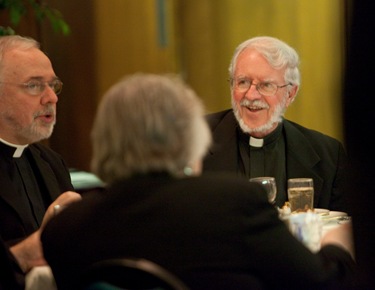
x=11, y=276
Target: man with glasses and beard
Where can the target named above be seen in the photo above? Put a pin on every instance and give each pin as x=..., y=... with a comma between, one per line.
x=254, y=139
x=33, y=178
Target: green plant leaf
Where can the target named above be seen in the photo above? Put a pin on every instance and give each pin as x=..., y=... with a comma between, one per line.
x=56, y=19
x=16, y=12
x=6, y=31
x=19, y=8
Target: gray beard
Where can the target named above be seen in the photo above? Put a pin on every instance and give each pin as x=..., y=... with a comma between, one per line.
x=276, y=117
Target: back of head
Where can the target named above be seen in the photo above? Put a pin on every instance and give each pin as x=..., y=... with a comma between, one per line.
x=277, y=53
x=147, y=123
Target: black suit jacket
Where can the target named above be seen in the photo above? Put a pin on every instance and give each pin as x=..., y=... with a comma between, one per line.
x=10, y=273
x=308, y=154
x=56, y=178
x=210, y=224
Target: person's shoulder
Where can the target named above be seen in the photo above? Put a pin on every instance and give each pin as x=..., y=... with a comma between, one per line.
x=218, y=116
x=215, y=119
x=223, y=176
x=44, y=149
x=311, y=134
x=47, y=154
x=226, y=182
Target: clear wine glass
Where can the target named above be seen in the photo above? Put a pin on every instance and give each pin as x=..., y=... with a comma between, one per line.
x=269, y=183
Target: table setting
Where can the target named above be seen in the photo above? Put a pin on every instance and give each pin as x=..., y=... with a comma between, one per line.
x=331, y=219
x=306, y=223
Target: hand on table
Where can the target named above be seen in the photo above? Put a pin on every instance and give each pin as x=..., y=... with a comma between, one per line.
x=29, y=252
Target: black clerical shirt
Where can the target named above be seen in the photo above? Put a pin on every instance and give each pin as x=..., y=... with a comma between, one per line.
x=267, y=160
x=28, y=185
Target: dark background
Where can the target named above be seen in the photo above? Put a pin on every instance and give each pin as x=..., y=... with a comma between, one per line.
x=359, y=100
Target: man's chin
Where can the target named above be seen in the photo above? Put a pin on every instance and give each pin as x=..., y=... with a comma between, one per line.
x=260, y=130
x=40, y=135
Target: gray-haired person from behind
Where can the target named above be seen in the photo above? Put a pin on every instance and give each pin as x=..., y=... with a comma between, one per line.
x=149, y=123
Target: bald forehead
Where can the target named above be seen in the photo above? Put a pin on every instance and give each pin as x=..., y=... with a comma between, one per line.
x=24, y=53
x=18, y=63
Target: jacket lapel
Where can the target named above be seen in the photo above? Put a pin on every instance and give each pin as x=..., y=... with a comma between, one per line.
x=8, y=193
x=46, y=171
x=225, y=144
x=301, y=156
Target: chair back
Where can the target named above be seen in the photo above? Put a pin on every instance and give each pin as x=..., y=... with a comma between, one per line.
x=223, y=280
x=130, y=274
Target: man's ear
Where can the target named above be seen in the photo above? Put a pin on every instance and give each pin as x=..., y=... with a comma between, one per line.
x=292, y=93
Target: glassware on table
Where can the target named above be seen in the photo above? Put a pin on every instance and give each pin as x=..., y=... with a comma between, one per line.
x=301, y=194
x=269, y=184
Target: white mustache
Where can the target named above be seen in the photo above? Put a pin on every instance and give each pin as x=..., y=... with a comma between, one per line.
x=48, y=111
x=251, y=104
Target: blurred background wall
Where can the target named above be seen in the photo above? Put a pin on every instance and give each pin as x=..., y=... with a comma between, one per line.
x=195, y=38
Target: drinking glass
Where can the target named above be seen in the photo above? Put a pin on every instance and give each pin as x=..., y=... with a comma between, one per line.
x=301, y=194
x=269, y=184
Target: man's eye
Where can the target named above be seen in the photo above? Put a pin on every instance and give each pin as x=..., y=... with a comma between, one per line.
x=242, y=82
x=267, y=85
x=33, y=85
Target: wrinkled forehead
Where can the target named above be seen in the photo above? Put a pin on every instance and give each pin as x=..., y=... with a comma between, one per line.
x=253, y=64
x=18, y=64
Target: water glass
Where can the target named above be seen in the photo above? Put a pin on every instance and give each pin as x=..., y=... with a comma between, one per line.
x=301, y=194
x=269, y=184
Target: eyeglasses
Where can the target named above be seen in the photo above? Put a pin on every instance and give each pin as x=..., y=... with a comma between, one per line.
x=37, y=87
x=242, y=85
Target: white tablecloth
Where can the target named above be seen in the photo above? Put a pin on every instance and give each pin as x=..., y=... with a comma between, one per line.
x=40, y=278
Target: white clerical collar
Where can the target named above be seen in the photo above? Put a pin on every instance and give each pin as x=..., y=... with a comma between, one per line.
x=255, y=142
x=19, y=148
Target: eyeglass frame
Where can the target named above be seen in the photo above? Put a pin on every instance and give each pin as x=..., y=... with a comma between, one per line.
x=42, y=85
x=257, y=86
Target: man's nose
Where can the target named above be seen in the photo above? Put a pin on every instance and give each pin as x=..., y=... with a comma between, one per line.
x=252, y=92
x=49, y=96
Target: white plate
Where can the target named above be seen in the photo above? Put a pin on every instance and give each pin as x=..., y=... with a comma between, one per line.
x=337, y=213
x=321, y=211
x=331, y=219
x=325, y=213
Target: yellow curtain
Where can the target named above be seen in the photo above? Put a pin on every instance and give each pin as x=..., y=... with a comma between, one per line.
x=213, y=28
x=134, y=36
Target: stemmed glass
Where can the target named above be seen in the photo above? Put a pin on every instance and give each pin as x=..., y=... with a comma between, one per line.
x=269, y=184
